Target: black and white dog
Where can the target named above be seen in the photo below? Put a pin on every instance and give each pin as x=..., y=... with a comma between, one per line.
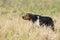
x=39, y=20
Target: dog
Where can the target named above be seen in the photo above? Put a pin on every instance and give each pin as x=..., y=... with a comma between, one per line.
x=39, y=20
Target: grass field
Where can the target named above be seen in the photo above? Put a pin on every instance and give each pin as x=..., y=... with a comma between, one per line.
x=13, y=27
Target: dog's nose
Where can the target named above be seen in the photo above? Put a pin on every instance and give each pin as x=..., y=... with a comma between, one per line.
x=23, y=17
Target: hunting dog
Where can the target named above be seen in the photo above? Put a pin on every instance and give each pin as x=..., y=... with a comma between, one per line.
x=39, y=20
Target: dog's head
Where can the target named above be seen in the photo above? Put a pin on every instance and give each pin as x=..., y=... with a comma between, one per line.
x=27, y=16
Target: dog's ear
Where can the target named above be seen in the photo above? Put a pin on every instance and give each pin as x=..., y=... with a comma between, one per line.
x=30, y=14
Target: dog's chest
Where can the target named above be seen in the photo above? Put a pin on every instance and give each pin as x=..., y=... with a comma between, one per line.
x=36, y=23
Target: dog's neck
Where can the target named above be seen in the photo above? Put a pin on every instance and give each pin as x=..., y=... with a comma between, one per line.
x=34, y=19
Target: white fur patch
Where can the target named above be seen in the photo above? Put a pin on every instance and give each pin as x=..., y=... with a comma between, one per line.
x=37, y=22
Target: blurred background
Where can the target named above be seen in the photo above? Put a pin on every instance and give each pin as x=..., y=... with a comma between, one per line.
x=13, y=27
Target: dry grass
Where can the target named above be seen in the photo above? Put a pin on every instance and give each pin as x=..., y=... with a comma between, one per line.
x=13, y=27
